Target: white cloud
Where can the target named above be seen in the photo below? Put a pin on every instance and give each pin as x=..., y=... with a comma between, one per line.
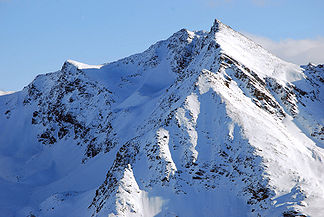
x=292, y=50
x=5, y=92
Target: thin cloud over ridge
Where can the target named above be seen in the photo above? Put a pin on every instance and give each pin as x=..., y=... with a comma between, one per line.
x=300, y=52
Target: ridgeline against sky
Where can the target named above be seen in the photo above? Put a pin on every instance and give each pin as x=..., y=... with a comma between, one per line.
x=38, y=36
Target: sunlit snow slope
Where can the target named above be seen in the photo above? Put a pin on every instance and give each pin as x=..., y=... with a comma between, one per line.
x=200, y=124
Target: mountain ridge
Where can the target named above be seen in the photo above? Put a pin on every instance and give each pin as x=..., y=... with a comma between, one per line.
x=186, y=121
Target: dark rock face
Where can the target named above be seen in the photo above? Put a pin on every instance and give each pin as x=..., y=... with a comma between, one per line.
x=63, y=109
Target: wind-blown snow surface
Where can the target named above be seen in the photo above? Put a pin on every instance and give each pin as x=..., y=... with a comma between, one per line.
x=200, y=124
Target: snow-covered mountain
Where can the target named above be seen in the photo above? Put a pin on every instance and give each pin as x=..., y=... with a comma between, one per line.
x=200, y=124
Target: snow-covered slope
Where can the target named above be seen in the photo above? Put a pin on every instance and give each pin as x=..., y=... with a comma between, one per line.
x=200, y=124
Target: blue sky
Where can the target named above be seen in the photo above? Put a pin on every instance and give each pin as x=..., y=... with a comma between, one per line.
x=37, y=36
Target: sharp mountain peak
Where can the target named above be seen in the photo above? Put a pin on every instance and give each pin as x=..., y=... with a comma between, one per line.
x=200, y=124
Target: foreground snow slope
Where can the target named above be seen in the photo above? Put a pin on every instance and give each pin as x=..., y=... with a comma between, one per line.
x=200, y=124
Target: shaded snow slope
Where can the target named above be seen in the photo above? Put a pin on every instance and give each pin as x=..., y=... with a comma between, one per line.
x=200, y=124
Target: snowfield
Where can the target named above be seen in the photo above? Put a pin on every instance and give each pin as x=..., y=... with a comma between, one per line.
x=200, y=124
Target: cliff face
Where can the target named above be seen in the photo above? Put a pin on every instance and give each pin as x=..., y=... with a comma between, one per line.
x=200, y=124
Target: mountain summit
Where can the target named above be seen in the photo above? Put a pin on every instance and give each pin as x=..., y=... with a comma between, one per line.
x=200, y=124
